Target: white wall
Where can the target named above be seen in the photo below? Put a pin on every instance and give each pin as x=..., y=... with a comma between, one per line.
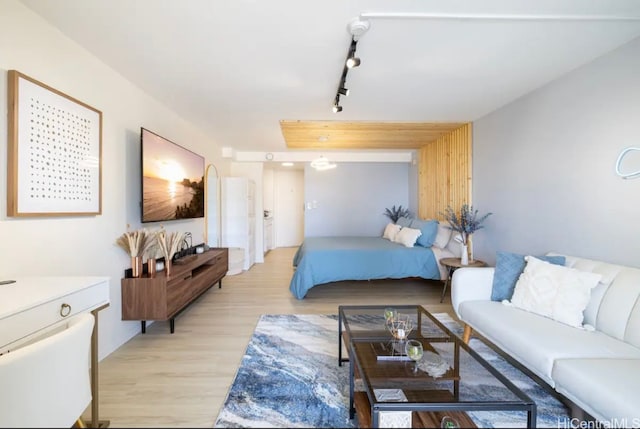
x=351, y=199
x=544, y=165
x=85, y=246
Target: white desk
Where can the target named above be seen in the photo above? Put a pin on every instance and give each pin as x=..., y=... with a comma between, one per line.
x=33, y=306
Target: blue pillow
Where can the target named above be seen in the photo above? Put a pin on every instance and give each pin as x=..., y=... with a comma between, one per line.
x=509, y=266
x=429, y=229
x=404, y=222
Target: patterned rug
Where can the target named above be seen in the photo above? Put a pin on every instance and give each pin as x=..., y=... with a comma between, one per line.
x=289, y=377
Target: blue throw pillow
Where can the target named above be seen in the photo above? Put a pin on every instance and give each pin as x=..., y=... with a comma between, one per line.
x=404, y=222
x=509, y=266
x=429, y=229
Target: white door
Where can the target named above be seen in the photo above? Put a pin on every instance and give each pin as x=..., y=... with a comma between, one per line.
x=288, y=216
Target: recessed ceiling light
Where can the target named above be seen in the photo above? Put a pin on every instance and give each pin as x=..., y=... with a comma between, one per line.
x=287, y=164
x=323, y=138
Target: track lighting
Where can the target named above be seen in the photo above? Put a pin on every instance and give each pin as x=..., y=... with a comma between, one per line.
x=353, y=62
x=357, y=27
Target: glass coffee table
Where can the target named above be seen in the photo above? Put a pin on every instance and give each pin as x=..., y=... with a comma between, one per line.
x=449, y=380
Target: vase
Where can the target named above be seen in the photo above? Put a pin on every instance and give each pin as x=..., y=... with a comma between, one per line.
x=464, y=254
x=136, y=266
x=151, y=267
x=168, y=267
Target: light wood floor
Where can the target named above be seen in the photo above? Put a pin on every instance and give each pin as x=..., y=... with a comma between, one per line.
x=181, y=380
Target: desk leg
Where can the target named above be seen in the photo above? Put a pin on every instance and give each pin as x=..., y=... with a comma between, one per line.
x=95, y=400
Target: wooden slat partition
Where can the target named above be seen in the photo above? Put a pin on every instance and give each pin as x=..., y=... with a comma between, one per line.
x=444, y=175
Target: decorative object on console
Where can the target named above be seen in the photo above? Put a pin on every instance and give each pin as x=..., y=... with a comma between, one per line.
x=51, y=134
x=168, y=244
x=465, y=223
x=394, y=213
x=136, y=244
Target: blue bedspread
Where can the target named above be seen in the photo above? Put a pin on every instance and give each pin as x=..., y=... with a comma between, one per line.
x=328, y=259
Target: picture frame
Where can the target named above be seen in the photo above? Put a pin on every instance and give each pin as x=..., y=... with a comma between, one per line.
x=54, y=152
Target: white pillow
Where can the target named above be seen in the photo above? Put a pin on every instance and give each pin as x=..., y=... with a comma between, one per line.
x=554, y=291
x=407, y=236
x=443, y=236
x=391, y=230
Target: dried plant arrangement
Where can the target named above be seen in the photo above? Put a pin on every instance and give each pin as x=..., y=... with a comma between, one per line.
x=168, y=243
x=136, y=243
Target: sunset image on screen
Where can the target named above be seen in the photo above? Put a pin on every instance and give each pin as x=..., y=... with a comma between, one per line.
x=172, y=181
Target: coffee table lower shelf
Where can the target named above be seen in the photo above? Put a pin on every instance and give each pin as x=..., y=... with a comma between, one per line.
x=419, y=419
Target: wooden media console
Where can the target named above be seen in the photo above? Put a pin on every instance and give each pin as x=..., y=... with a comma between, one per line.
x=159, y=297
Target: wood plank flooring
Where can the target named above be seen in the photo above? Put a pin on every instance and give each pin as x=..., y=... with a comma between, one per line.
x=181, y=380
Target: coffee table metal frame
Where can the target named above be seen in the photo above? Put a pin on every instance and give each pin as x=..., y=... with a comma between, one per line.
x=524, y=403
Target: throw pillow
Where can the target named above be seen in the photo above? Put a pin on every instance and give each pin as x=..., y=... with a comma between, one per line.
x=404, y=222
x=390, y=231
x=407, y=236
x=429, y=229
x=554, y=291
x=509, y=266
x=442, y=236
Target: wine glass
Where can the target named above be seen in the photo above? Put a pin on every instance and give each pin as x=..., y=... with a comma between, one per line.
x=449, y=423
x=414, y=349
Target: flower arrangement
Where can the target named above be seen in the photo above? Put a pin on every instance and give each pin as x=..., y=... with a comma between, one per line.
x=168, y=243
x=136, y=243
x=466, y=222
x=396, y=213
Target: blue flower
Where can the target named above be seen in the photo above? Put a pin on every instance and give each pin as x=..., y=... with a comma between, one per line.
x=466, y=222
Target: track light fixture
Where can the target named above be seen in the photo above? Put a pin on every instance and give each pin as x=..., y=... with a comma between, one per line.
x=342, y=90
x=357, y=27
x=353, y=62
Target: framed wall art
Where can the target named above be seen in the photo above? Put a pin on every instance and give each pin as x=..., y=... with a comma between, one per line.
x=54, y=159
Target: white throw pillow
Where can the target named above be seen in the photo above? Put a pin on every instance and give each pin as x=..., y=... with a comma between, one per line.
x=391, y=230
x=443, y=236
x=408, y=236
x=554, y=291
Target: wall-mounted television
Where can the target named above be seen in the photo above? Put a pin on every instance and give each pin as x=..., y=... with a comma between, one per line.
x=172, y=180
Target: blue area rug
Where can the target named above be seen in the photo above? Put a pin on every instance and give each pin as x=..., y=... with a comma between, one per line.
x=289, y=377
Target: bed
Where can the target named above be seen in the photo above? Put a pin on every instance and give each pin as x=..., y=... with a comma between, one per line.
x=322, y=260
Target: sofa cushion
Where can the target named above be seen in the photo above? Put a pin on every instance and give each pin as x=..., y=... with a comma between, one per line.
x=509, y=266
x=605, y=388
x=554, y=291
x=537, y=341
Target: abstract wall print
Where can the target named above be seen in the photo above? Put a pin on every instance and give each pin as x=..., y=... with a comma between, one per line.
x=54, y=162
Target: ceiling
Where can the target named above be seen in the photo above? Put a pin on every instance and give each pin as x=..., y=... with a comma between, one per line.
x=237, y=68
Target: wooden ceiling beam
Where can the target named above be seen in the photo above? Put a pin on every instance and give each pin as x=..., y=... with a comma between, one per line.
x=363, y=135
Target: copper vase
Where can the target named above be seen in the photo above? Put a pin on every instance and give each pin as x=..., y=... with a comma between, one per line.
x=151, y=267
x=167, y=267
x=136, y=266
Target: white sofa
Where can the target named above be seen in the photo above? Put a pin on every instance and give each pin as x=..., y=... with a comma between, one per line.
x=597, y=370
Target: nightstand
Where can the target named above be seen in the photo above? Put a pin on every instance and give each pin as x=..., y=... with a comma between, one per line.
x=452, y=264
